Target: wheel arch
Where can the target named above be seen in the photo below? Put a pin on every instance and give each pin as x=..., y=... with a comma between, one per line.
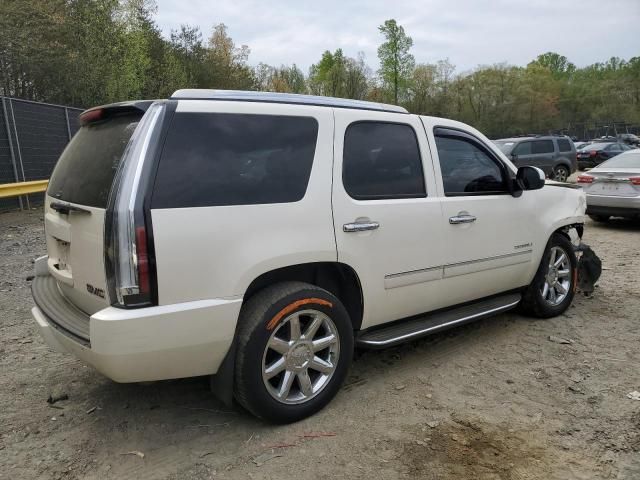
x=337, y=278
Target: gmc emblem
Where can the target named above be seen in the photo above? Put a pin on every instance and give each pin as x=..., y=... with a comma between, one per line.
x=95, y=291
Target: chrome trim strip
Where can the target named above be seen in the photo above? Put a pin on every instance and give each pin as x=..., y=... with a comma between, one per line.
x=410, y=272
x=487, y=259
x=413, y=277
x=418, y=333
x=394, y=280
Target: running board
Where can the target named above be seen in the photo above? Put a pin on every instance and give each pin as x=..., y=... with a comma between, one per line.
x=406, y=330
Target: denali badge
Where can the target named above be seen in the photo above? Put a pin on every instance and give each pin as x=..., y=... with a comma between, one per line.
x=95, y=291
x=524, y=245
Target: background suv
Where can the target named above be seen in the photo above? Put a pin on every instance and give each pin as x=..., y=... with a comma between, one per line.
x=554, y=155
x=260, y=237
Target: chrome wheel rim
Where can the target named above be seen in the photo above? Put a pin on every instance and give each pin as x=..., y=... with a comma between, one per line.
x=561, y=175
x=557, y=280
x=300, y=357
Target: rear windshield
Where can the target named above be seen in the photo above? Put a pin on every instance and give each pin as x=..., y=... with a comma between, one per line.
x=84, y=173
x=625, y=160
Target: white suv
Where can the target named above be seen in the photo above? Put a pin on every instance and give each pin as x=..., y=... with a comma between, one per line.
x=260, y=237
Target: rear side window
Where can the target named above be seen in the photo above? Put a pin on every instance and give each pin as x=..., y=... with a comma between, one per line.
x=85, y=171
x=564, y=145
x=213, y=159
x=542, y=146
x=382, y=161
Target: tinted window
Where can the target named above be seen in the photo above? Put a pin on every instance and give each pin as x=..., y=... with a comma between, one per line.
x=232, y=159
x=564, y=145
x=382, y=160
x=467, y=168
x=84, y=173
x=542, y=146
x=613, y=147
x=523, y=148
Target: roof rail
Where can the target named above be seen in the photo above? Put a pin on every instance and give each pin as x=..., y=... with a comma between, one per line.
x=290, y=98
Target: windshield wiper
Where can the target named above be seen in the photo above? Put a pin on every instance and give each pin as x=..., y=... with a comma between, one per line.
x=65, y=208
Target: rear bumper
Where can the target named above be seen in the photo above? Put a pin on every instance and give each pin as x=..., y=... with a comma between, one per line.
x=155, y=343
x=611, y=205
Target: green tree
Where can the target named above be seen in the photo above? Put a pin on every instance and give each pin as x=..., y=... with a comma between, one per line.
x=328, y=75
x=557, y=64
x=396, y=63
x=226, y=64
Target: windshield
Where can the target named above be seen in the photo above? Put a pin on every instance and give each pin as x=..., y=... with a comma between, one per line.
x=624, y=160
x=505, y=145
x=84, y=173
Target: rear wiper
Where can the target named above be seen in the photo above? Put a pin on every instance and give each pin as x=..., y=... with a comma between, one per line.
x=65, y=208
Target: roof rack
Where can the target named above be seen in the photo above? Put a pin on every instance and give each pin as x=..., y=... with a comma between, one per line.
x=291, y=98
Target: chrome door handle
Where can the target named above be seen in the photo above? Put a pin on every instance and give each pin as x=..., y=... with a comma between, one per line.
x=456, y=219
x=359, y=226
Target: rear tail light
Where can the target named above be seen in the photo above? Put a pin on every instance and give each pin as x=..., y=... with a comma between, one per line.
x=128, y=245
x=92, y=115
x=144, y=282
x=593, y=153
x=585, y=179
x=634, y=180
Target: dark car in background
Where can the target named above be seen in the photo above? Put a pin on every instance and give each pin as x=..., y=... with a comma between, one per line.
x=629, y=139
x=596, y=153
x=555, y=155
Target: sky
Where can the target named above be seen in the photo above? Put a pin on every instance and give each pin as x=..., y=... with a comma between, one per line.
x=467, y=32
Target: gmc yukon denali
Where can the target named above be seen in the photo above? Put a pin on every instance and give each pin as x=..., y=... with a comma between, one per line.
x=259, y=238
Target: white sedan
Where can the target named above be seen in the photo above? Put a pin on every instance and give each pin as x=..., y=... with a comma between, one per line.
x=613, y=187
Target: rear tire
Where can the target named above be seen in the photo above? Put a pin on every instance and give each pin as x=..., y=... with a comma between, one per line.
x=561, y=173
x=295, y=344
x=553, y=287
x=600, y=218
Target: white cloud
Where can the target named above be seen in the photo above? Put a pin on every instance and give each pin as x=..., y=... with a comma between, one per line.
x=468, y=32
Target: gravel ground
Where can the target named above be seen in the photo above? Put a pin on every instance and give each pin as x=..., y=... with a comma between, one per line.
x=493, y=400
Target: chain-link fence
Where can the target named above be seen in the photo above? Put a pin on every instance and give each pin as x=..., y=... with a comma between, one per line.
x=32, y=137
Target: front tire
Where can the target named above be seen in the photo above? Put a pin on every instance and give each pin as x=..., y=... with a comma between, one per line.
x=553, y=287
x=295, y=344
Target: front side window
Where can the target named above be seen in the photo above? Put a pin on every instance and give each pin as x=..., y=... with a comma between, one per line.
x=467, y=168
x=542, y=146
x=382, y=161
x=213, y=159
x=523, y=148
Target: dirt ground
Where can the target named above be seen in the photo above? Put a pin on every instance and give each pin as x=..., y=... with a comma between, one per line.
x=493, y=400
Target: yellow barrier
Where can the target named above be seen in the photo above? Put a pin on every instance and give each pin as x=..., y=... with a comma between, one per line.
x=22, y=188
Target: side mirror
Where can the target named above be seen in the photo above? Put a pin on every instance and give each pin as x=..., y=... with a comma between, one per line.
x=530, y=178
x=514, y=157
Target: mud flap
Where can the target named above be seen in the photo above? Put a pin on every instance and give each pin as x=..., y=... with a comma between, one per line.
x=589, y=268
x=222, y=382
